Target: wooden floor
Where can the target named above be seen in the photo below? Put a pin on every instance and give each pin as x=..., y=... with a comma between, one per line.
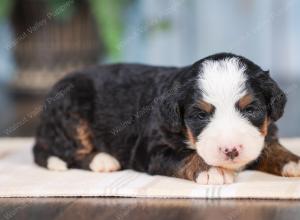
x=143, y=209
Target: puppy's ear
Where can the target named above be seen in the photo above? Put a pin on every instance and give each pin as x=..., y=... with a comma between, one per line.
x=170, y=114
x=275, y=97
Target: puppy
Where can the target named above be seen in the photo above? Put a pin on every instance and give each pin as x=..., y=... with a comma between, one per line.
x=203, y=122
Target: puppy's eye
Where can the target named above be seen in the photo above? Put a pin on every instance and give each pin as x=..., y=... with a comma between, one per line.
x=249, y=110
x=199, y=114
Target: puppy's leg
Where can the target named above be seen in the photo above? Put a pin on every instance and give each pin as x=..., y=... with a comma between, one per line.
x=77, y=151
x=86, y=157
x=276, y=159
x=60, y=146
x=64, y=137
x=187, y=164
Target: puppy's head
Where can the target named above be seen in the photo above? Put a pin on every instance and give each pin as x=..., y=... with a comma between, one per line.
x=227, y=115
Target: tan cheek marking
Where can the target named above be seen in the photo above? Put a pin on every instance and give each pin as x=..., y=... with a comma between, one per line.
x=264, y=127
x=84, y=136
x=190, y=136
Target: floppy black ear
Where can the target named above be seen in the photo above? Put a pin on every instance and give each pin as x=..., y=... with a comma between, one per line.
x=170, y=115
x=275, y=97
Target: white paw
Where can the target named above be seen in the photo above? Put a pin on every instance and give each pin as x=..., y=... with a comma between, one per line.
x=104, y=162
x=216, y=176
x=291, y=169
x=56, y=164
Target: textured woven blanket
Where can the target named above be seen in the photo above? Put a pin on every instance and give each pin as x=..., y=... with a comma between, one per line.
x=20, y=177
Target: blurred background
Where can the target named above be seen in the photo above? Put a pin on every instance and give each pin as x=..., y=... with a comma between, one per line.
x=43, y=40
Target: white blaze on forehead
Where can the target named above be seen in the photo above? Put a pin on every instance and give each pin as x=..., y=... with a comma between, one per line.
x=222, y=82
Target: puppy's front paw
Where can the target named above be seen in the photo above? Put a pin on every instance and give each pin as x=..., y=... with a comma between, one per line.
x=291, y=169
x=216, y=176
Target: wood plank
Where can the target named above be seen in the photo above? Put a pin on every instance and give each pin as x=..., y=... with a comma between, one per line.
x=144, y=209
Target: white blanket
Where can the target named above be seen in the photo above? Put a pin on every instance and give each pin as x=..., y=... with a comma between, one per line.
x=20, y=177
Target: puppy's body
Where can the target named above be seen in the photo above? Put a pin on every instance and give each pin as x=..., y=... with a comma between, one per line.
x=114, y=108
x=185, y=122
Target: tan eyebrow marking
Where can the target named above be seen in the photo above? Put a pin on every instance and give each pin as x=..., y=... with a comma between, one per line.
x=244, y=101
x=207, y=107
x=264, y=127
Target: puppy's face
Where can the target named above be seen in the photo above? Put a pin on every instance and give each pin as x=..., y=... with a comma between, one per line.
x=228, y=118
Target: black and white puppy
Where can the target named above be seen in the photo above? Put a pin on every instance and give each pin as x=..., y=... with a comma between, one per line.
x=203, y=122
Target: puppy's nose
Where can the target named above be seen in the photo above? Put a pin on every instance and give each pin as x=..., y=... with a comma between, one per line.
x=231, y=152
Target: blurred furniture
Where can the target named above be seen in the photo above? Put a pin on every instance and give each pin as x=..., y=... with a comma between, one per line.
x=47, y=47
